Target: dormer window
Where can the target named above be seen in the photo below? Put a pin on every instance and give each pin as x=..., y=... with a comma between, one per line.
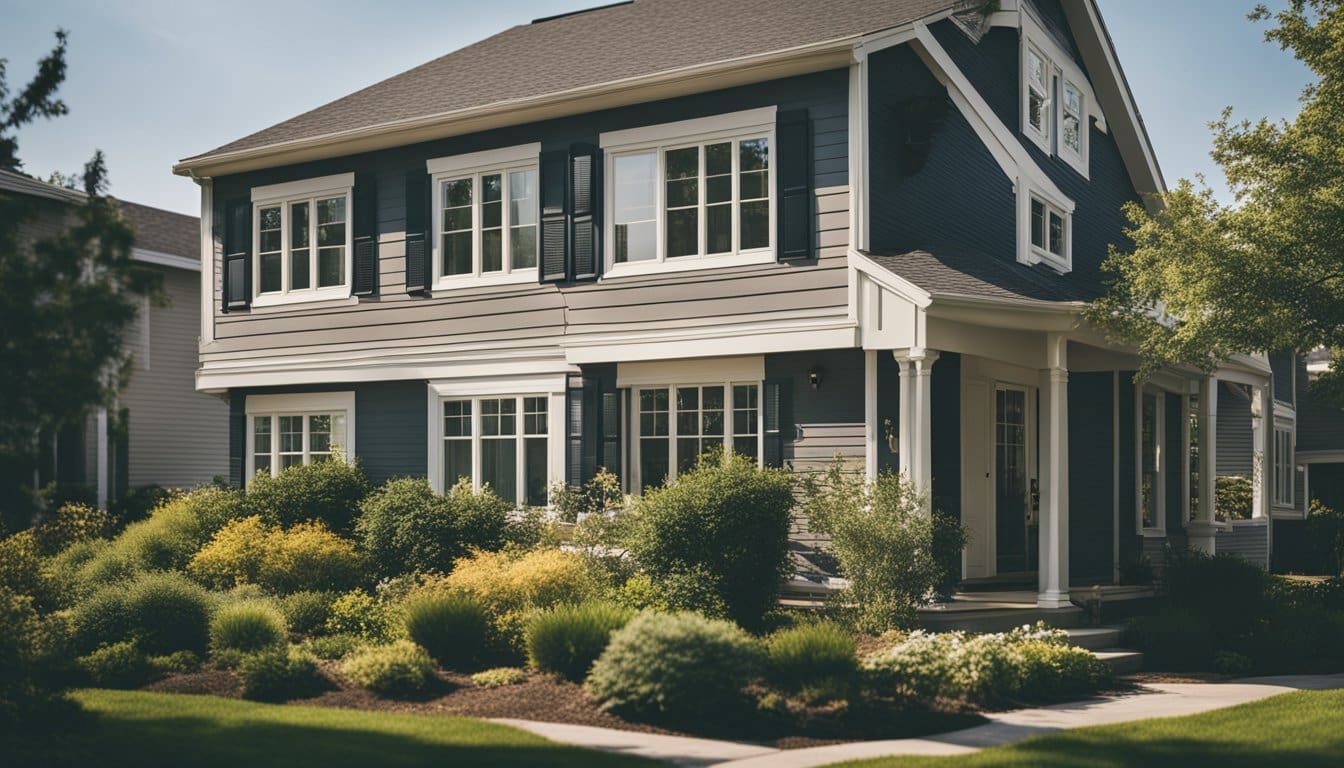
x=1071, y=121
x=1038, y=97
x=1057, y=100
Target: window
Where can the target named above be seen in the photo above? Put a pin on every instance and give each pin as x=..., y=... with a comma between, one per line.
x=1049, y=232
x=1152, y=472
x=691, y=194
x=1283, y=467
x=1038, y=95
x=678, y=423
x=302, y=240
x=500, y=442
x=1055, y=99
x=1071, y=123
x=289, y=430
x=485, y=223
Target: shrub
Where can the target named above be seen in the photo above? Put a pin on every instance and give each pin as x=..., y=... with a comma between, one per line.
x=676, y=668
x=307, y=556
x=452, y=628
x=811, y=654
x=599, y=496
x=247, y=627
x=169, y=612
x=175, y=662
x=119, y=665
x=567, y=639
x=63, y=569
x=30, y=657
x=1050, y=671
x=884, y=541
x=1294, y=639
x=1232, y=497
x=233, y=556
x=330, y=647
x=405, y=526
x=1231, y=663
x=499, y=677
x=329, y=491
x=137, y=503
x=1325, y=532
x=728, y=521
x=279, y=674
x=1229, y=592
x=21, y=568
x=510, y=585
x=691, y=590
x=102, y=617
x=73, y=522
x=307, y=612
x=399, y=668
x=357, y=613
x=1172, y=640
x=168, y=538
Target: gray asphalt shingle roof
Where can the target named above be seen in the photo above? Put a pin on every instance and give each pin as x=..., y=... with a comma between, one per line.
x=988, y=277
x=605, y=45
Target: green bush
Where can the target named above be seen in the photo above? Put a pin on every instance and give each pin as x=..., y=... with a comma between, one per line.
x=101, y=618
x=511, y=585
x=1232, y=497
x=1173, y=640
x=176, y=662
x=726, y=520
x=279, y=674
x=119, y=665
x=405, y=526
x=1053, y=671
x=169, y=612
x=599, y=496
x=305, y=557
x=885, y=543
x=137, y=503
x=71, y=523
x=327, y=491
x=32, y=653
x=1325, y=535
x=675, y=669
x=307, y=612
x=357, y=613
x=399, y=668
x=1232, y=663
x=332, y=647
x=567, y=639
x=812, y=654
x=691, y=590
x=452, y=628
x=22, y=569
x=1294, y=639
x=499, y=677
x=1227, y=591
x=247, y=628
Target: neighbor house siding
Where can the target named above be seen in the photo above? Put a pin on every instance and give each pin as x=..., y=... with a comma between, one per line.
x=1281, y=367
x=531, y=315
x=1246, y=539
x=178, y=437
x=1235, y=452
x=1091, y=478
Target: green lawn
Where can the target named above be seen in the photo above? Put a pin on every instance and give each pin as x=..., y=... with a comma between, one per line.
x=1304, y=728
x=135, y=728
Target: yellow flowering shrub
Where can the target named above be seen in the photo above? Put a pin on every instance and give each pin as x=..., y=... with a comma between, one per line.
x=248, y=551
x=512, y=585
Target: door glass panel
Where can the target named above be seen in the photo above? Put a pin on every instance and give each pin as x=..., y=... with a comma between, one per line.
x=1010, y=464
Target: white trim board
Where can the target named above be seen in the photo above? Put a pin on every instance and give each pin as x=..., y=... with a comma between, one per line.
x=699, y=371
x=484, y=160
x=341, y=182
x=690, y=131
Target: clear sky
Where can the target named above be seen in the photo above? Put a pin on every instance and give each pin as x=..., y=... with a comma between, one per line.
x=152, y=81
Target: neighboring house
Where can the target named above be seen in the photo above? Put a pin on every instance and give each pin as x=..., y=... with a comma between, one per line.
x=161, y=431
x=1318, y=459
x=619, y=236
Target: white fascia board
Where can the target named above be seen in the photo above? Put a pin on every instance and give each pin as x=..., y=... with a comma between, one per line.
x=165, y=259
x=1011, y=156
x=887, y=279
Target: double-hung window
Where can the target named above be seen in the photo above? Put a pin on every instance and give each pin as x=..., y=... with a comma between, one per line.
x=1283, y=467
x=1049, y=232
x=1037, y=94
x=1057, y=99
x=1071, y=122
x=301, y=238
x=677, y=424
x=696, y=193
x=289, y=430
x=485, y=216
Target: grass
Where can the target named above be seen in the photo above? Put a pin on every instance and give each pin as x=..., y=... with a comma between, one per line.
x=1300, y=729
x=141, y=729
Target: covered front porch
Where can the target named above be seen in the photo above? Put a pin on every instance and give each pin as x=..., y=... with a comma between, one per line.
x=1031, y=428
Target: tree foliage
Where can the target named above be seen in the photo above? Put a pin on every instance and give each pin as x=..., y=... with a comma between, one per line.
x=1265, y=272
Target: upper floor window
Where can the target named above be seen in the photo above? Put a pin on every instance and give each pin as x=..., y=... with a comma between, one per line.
x=485, y=224
x=1056, y=99
x=301, y=237
x=1038, y=95
x=1071, y=120
x=695, y=193
x=1049, y=231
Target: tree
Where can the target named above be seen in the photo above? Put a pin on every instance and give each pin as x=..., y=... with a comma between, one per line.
x=1205, y=280
x=67, y=299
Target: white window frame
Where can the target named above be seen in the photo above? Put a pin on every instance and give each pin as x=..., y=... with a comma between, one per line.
x=1163, y=473
x=1027, y=252
x=659, y=139
x=303, y=404
x=1283, y=489
x=636, y=438
x=285, y=195
x=1040, y=137
x=474, y=165
x=551, y=387
x=1059, y=69
x=1077, y=158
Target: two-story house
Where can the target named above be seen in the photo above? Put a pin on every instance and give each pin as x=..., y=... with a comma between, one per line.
x=621, y=236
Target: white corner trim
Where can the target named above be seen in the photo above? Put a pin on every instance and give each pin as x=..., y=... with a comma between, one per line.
x=207, y=262
x=165, y=259
x=710, y=370
x=341, y=182
x=689, y=131
x=489, y=159
x=858, y=150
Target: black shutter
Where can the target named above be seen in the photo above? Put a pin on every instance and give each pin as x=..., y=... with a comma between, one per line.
x=585, y=224
x=554, y=185
x=419, y=271
x=793, y=134
x=237, y=277
x=778, y=421
x=611, y=432
x=364, y=281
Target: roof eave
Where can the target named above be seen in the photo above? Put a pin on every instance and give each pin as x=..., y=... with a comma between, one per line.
x=728, y=73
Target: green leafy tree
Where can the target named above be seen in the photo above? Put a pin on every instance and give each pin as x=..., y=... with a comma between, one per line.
x=1205, y=280
x=68, y=299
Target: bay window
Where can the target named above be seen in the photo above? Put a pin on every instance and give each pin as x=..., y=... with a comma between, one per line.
x=291, y=430
x=302, y=239
x=485, y=223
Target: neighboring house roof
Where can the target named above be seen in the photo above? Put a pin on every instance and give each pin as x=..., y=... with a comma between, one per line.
x=156, y=230
x=980, y=276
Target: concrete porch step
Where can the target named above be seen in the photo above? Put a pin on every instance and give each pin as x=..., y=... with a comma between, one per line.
x=1122, y=661
x=1095, y=638
x=998, y=619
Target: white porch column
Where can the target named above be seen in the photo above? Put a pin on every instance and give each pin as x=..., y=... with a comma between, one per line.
x=102, y=453
x=1262, y=421
x=1201, y=533
x=1054, y=471
x=916, y=417
x=905, y=412
x=870, y=431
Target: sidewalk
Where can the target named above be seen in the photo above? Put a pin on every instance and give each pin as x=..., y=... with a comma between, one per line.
x=1155, y=700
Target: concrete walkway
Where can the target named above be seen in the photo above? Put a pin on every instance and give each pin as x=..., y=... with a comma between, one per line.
x=1154, y=700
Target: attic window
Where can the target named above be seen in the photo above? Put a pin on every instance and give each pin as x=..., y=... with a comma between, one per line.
x=1038, y=96
x=1056, y=99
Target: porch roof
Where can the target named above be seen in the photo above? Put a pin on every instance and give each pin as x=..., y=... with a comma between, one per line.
x=955, y=274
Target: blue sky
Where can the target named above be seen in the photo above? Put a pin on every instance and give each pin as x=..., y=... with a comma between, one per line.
x=152, y=81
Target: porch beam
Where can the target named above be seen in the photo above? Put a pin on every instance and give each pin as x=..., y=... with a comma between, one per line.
x=1201, y=532
x=1054, y=472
